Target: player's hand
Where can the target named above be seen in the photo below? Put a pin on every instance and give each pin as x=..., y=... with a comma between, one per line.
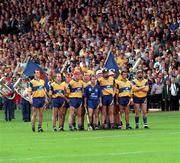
x=100, y=104
x=31, y=101
x=131, y=102
x=67, y=99
x=116, y=102
x=85, y=105
x=46, y=101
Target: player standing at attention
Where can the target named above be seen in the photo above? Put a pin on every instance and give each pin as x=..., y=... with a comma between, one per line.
x=107, y=86
x=124, y=90
x=57, y=93
x=93, y=100
x=37, y=94
x=75, y=90
x=140, y=89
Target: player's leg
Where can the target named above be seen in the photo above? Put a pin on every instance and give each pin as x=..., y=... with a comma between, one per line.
x=144, y=113
x=90, y=115
x=40, y=112
x=137, y=102
x=111, y=115
x=126, y=110
x=61, y=118
x=96, y=119
x=71, y=117
x=103, y=116
x=136, y=108
x=54, y=117
x=33, y=118
x=82, y=116
x=117, y=116
x=79, y=114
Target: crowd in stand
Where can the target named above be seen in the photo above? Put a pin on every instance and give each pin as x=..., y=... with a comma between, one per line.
x=82, y=32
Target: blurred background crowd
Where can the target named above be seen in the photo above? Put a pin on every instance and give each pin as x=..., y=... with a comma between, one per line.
x=80, y=33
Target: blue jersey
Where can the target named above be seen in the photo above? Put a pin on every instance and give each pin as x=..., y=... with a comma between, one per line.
x=93, y=93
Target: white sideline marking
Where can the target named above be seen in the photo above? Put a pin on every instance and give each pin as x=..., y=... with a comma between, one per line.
x=74, y=155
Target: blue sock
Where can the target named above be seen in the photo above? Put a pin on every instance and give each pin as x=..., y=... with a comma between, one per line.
x=145, y=120
x=137, y=120
x=127, y=125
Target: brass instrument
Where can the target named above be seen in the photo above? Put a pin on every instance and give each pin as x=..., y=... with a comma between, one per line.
x=5, y=90
x=21, y=88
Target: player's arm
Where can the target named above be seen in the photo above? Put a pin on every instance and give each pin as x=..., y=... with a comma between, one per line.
x=46, y=94
x=137, y=89
x=131, y=94
x=30, y=91
x=100, y=97
x=85, y=97
x=117, y=92
x=114, y=87
x=146, y=87
x=50, y=91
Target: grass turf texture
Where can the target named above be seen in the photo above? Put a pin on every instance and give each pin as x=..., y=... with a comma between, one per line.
x=159, y=144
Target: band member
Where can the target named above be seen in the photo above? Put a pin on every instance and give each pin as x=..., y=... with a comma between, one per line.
x=93, y=99
x=7, y=101
x=25, y=105
x=140, y=89
x=107, y=86
x=38, y=98
x=26, y=110
x=57, y=93
x=124, y=96
x=75, y=90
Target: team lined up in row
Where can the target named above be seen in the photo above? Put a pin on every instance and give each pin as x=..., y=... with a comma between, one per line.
x=100, y=94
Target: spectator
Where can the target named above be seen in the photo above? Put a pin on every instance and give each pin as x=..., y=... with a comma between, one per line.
x=166, y=95
x=174, y=90
x=156, y=91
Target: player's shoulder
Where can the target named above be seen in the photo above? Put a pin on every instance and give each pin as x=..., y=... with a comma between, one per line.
x=145, y=80
x=128, y=81
x=88, y=86
x=72, y=81
x=53, y=83
x=100, y=79
x=41, y=81
x=111, y=78
x=134, y=81
x=32, y=81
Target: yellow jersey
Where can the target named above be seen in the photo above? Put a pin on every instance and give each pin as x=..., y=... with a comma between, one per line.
x=107, y=85
x=85, y=84
x=139, y=83
x=75, y=89
x=58, y=89
x=37, y=88
x=124, y=88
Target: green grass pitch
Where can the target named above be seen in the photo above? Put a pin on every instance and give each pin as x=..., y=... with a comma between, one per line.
x=161, y=143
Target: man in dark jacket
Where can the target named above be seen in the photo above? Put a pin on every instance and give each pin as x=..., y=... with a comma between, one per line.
x=166, y=96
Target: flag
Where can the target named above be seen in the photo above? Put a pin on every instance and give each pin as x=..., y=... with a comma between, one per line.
x=111, y=63
x=31, y=67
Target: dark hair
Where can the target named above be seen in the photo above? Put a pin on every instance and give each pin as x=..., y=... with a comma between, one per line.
x=36, y=70
x=123, y=71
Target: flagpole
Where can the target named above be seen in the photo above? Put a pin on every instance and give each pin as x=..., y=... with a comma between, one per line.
x=107, y=57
